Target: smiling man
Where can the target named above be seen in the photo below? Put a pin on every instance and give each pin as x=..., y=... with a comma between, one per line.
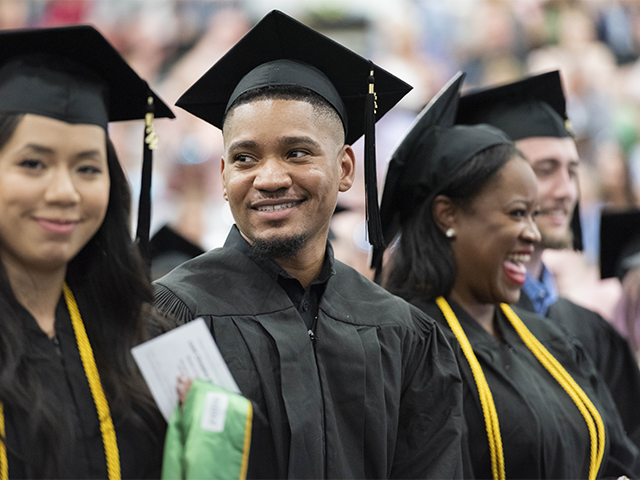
x=346, y=380
x=282, y=177
x=533, y=113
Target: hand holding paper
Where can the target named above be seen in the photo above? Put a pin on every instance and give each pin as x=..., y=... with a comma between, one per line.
x=189, y=350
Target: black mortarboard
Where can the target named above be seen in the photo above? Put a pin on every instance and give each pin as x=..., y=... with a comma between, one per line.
x=168, y=250
x=73, y=74
x=619, y=243
x=430, y=153
x=533, y=107
x=279, y=50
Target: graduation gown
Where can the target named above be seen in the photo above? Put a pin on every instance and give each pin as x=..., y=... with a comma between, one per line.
x=610, y=352
x=543, y=433
x=65, y=383
x=373, y=396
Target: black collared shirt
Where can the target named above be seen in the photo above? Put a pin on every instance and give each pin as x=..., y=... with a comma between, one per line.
x=306, y=300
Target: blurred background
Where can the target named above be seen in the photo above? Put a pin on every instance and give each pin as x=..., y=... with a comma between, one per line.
x=594, y=43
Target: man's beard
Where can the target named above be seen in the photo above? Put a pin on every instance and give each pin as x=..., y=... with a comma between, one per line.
x=278, y=248
x=551, y=237
x=557, y=242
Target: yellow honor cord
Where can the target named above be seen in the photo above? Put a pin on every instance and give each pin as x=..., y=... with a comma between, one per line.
x=486, y=398
x=587, y=409
x=247, y=443
x=91, y=371
x=585, y=406
x=4, y=463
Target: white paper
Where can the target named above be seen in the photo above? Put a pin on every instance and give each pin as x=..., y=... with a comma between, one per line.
x=188, y=350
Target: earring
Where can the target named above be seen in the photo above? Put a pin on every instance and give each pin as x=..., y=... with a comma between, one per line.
x=450, y=233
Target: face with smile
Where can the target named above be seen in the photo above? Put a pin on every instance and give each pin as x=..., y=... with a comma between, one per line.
x=495, y=236
x=54, y=192
x=285, y=162
x=555, y=163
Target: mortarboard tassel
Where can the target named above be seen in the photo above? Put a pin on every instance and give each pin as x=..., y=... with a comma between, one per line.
x=370, y=175
x=144, y=204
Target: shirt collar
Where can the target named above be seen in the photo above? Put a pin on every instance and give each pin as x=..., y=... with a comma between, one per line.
x=542, y=292
x=236, y=241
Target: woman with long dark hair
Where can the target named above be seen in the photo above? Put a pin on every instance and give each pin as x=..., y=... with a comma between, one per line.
x=462, y=200
x=74, y=293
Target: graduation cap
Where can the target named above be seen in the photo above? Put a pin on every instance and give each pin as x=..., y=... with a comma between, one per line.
x=74, y=75
x=533, y=107
x=619, y=243
x=428, y=155
x=168, y=250
x=281, y=51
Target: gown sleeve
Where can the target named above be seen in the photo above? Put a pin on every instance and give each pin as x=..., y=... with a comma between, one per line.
x=431, y=416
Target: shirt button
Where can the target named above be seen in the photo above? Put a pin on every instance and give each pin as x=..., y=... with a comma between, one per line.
x=305, y=306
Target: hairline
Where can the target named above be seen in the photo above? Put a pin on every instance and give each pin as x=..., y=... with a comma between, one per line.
x=320, y=105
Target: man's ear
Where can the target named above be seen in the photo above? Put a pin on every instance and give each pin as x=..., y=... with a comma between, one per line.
x=224, y=184
x=347, y=168
x=444, y=213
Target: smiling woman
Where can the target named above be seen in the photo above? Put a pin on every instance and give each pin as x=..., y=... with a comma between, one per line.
x=54, y=192
x=463, y=200
x=74, y=295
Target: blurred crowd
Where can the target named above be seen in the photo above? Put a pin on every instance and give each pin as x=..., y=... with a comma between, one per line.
x=594, y=43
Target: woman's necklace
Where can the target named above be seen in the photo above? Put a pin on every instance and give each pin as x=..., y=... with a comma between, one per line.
x=102, y=407
x=582, y=401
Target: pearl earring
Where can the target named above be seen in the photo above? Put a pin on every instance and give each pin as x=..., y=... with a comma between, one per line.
x=450, y=233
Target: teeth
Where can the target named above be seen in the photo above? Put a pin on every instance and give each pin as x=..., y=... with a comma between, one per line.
x=275, y=208
x=519, y=258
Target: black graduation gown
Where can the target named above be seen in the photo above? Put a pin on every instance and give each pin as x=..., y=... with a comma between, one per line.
x=374, y=396
x=63, y=377
x=543, y=433
x=610, y=352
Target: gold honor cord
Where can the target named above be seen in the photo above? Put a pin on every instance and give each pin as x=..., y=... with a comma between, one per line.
x=247, y=443
x=91, y=371
x=4, y=463
x=486, y=398
x=584, y=404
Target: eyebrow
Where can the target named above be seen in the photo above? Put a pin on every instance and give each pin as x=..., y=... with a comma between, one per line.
x=243, y=144
x=284, y=141
x=50, y=151
x=523, y=201
x=299, y=140
x=38, y=148
x=89, y=154
x=574, y=161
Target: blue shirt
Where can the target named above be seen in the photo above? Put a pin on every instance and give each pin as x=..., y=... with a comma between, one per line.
x=543, y=293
